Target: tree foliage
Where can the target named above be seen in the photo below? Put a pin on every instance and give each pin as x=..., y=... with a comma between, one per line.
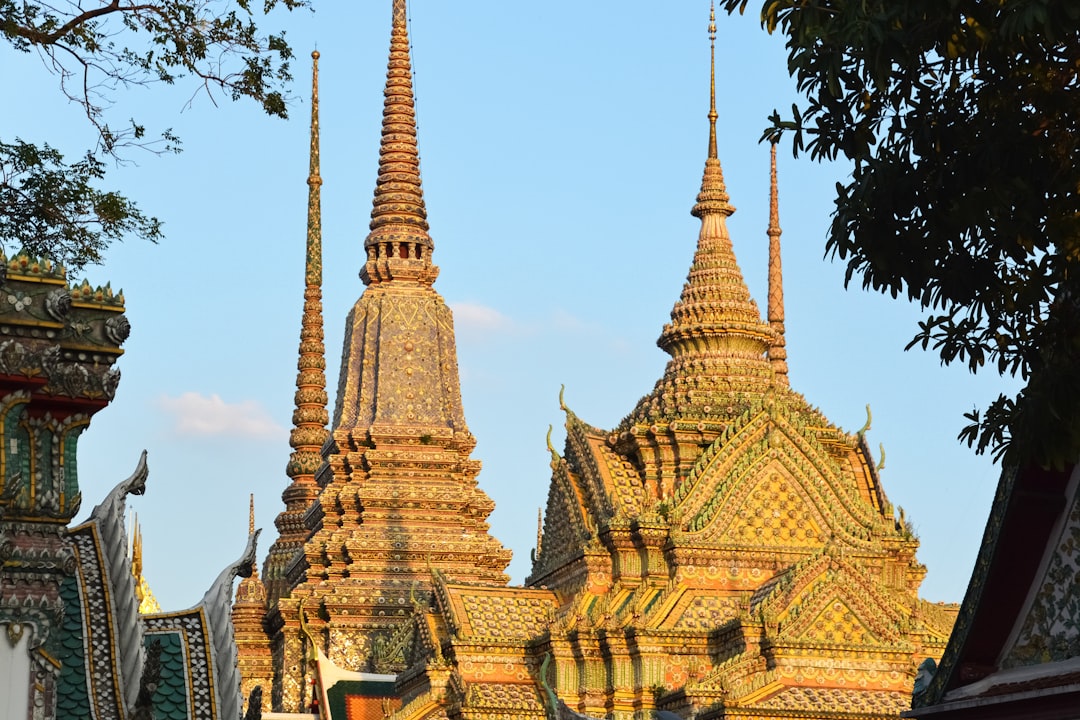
x=52, y=209
x=961, y=119
x=96, y=49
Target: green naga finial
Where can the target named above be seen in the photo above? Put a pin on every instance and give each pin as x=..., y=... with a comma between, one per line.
x=551, y=700
x=562, y=404
x=312, y=653
x=555, y=458
x=413, y=600
x=866, y=428
x=881, y=463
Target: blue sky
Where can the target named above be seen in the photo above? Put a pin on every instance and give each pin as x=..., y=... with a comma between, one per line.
x=562, y=145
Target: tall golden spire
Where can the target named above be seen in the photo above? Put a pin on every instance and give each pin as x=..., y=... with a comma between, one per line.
x=147, y=602
x=251, y=514
x=539, y=530
x=249, y=608
x=716, y=332
x=313, y=266
x=254, y=577
x=713, y=115
x=713, y=198
x=778, y=350
x=398, y=493
x=310, y=416
x=399, y=246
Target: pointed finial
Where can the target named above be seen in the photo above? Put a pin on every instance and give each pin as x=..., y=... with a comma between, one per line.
x=310, y=417
x=136, y=547
x=712, y=82
x=713, y=198
x=399, y=246
x=539, y=530
x=251, y=514
x=716, y=337
x=778, y=349
x=313, y=269
x=774, y=204
x=551, y=449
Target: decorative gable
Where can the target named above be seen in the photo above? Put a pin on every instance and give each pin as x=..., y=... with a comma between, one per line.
x=777, y=510
x=838, y=624
x=827, y=600
x=565, y=525
x=768, y=481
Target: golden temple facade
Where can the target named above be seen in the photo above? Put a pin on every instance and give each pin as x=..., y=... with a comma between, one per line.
x=725, y=552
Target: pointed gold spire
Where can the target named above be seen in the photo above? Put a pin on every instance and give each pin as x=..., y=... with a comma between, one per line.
x=251, y=589
x=715, y=317
x=251, y=531
x=313, y=269
x=147, y=602
x=716, y=337
x=539, y=530
x=778, y=350
x=136, y=547
x=310, y=417
x=712, y=82
x=251, y=514
x=713, y=197
x=399, y=246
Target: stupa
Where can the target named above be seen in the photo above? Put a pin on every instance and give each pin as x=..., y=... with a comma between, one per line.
x=390, y=493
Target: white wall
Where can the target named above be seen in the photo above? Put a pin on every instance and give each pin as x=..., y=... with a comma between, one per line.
x=15, y=672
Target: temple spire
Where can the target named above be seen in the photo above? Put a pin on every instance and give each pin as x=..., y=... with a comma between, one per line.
x=713, y=115
x=539, y=531
x=713, y=198
x=778, y=350
x=399, y=246
x=313, y=265
x=398, y=493
x=716, y=338
x=251, y=531
x=251, y=514
x=715, y=316
x=310, y=417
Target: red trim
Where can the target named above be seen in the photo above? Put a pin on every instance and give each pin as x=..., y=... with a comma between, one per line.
x=59, y=406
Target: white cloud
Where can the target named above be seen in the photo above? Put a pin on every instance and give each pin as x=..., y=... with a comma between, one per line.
x=475, y=318
x=564, y=321
x=195, y=414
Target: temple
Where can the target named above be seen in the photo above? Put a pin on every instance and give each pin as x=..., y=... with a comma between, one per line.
x=1015, y=650
x=81, y=635
x=724, y=552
